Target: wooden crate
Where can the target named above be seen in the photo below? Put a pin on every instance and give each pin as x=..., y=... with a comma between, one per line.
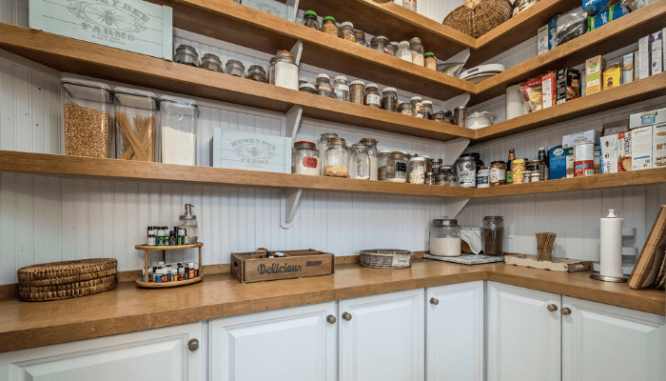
x=558, y=264
x=256, y=267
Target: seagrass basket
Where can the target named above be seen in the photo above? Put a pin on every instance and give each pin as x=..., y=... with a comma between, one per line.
x=478, y=17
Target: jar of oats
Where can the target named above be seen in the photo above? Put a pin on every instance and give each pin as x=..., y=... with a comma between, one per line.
x=86, y=110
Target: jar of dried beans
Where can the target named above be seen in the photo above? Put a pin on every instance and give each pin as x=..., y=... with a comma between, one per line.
x=178, y=118
x=305, y=159
x=329, y=26
x=390, y=99
x=337, y=159
x=357, y=92
x=347, y=32
x=135, y=112
x=372, y=97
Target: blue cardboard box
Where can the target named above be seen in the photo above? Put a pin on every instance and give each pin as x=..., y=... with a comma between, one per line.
x=557, y=163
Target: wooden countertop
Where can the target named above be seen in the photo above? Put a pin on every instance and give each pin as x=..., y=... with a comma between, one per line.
x=129, y=309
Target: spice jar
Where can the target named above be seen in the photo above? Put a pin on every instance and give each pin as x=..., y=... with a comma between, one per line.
x=359, y=35
x=390, y=99
x=372, y=97
x=497, y=173
x=86, y=112
x=417, y=107
x=405, y=108
x=341, y=88
x=396, y=169
x=186, y=55
x=430, y=61
x=235, y=68
x=518, y=171
x=417, y=170
x=372, y=154
x=211, y=62
x=135, y=124
x=178, y=118
x=493, y=235
x=336, y=159
x=322, y=146
x=404, y=52
x=283, y=71
x=310, y=20
x=324, y=87
x=347, y=32
x=305, y=159
x=307, y=88
x=445, y=238
x=329, y=26
x=188, y=221
x=257, y=73
x=416, y=46
x=466, y=171
x=359, y=162
x=427, y=110
x=409, y=4
x=441, y=180
x=357, y=92
x=382, y=44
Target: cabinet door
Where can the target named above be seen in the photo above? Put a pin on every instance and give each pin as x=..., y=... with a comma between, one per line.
x=382, y=337
x=292, y=344
x=454, y=332
x=523, y=334
x=602, y=342
x=159, y=354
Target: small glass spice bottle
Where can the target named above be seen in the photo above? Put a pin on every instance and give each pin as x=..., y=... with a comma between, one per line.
x=405, y=108
x=257, y=73
x=372, y=97
x=329, y=26
x=430, y=61
x=359, y=35
x=390, y=99
x=347, y=32
x=341, y=88
x=235, y=68
x=324, y=87
x=310, y=20
x=211, y=62
x=186, y=55
x=416, y=47
x=357, y=92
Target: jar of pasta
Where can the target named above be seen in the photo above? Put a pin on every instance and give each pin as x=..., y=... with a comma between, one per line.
x=417, y=170
x=135, y=124
x=372, y=97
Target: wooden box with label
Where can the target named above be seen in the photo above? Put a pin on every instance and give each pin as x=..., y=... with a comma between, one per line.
x=258, y=267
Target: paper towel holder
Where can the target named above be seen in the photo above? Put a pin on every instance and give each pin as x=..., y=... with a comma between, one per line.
x=612, y=279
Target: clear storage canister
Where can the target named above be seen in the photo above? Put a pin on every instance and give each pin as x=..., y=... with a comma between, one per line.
x=396, y=170
x=357, y=92
x=405, y=108
x=341, y=88
x=235, y=68
x=329, y=26
x=493, y=235
x=186, y=55
x=322, y=146
x=445, y=238
x=416, y=46
x=305, y=159
x=417, y=170
x=211, y=62
x=135, y=112
x=390, y=99
x=178, y=117
x=382, y=44
x=404, y=52
x=324, y=87
x=257, y=73
x=359, y=162
x=336, y=159
x=283, y=71
x=347, y=32
x=372, y=153
x=310, y=20
x=360, y=37
x=466, y=171
x=427, y=110
x=86, y=118
x=372, y=97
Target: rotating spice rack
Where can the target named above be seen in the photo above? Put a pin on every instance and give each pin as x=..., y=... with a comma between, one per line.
x=164, y=249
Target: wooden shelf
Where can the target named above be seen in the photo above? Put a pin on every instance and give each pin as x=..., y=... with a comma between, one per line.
x=168, y=248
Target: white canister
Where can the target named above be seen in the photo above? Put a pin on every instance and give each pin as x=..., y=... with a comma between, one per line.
x=514, y=102
x=483, y=178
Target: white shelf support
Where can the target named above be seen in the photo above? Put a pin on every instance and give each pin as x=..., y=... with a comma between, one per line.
x=453, y=149
x=294, y=4
x=457, y=101
x=293, y=122
x=289, y=205
x=297, y=51
x=453, y=206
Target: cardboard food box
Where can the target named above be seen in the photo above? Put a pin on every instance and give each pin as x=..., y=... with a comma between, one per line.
x=246, y=150
x=549, y=89
x=132, y=25
x=612, y=75
x=628, y=68
x=593, y=68
x=557, y=163
x=571, y=161
x=572, y=140
x=542, y=40
x=609, y=154
x=568, y=85
x=659, y=145
x=624, y=152
x=614, y=128
x=643, y=60
x=647, y=118
x=641, y=148
x=656, y=53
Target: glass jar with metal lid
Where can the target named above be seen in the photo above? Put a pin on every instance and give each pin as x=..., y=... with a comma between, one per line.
x=336, y=159
x=416, y=46
x=310, y=20
x=322, y=146
x=404, y=52
x=341, y=88
x=359, y=162
x=399, y=165
x=211, y=62
x=357, y=92
x=283, y=71
x=235, y=68
x=324, y=87
x=493, y=235
x=257, y=73
x=372, y=154
x=329, y=26
x=305, y=159
x=430, y=61
x=360, y=37
x=390, y=99
x=441, y=180
x=382, y=44
x=466, y=171
x=417, y=107
x=308, y=88
x=186, y=55
x=417, y=170
x=372, y=97
x=427, y=110
x=347, y=32
x=445, y=238
x=405, y=108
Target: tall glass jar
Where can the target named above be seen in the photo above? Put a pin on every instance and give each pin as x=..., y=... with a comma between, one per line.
x=305, y=159
x=404, y=52
x=322, y=146
x=86, y=116
x=135, y=124
x=436, y=165
x=372, y=97
x=283, y=71
x=417, y=170
x=360, y=37
x=178, y=118
x=445, y=238
x=417, y=107
x=211, y=62
x=347, y=32
x=324, y=87
x=359, y=162
x=330, y=27
x=310, y=20
x=357, y=92
x=493, y=235
x=235, y=68
x=390, y=99
x=372, y=153
x=382, y=165
x=416, y=46
x=382, y=44
x=337, y=159
x=341, y=88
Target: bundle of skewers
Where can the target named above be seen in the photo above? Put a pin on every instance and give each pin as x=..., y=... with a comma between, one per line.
x=545, y=242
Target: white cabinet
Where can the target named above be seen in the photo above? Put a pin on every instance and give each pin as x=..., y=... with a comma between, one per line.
x=292, y=344
x=602, y=342
x=382, y=337
x=160, y=354
x=523, y=334
x=454, y=332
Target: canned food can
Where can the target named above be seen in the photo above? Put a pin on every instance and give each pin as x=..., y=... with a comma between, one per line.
x=518, y=171
x=584, y=159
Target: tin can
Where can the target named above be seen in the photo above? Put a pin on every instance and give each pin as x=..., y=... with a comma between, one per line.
x=483, y=178
x=460, y=116
x=518, y=170
x=584, y=159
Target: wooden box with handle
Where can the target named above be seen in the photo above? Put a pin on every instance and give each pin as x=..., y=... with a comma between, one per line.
x=259, y=266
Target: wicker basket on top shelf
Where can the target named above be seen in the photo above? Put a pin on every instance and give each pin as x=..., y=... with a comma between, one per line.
x=147, y=284
x=478, y=17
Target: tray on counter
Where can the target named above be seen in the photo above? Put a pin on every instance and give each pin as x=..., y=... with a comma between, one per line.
x=468, y=259
x=257, y=267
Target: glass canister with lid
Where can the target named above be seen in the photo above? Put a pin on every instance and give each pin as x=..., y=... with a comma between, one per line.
x=310, y=20
x=135, y=124
x=360, y=37
x=308, y=88
x=186, y=55
x=357, y=92
x=359, y=162
x=372, y=97
x=347, y=32
x=404, y=52
x=382, y=44
x=466, y=171
x=405, y=108
x=341, y=88
x=493, y=235
x=329, y=26
x=283, y=71
x=390, y=99
x=417, y=170
x=430, y=61
x=395, y=169
x=373, y=154
x=322, y=146
x=235, y=68
x=336, y=161
x=416, y=46
x=211, y=62
x=305, y=159
x=441, y=180
x=178, y=118
x=324, y=87
x=445, y=238
x=257, y=73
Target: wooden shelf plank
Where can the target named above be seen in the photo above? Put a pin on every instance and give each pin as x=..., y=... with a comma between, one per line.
x=636, y=91
x=74, y=56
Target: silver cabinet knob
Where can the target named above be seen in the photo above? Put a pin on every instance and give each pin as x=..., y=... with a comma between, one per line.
x=347, y=316
x=566, y=311
x=434, y=301
x=193, y=344
x=552, y=308
x=331, y=319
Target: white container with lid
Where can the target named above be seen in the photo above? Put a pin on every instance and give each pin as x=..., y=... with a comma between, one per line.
x=445, y=238
x=178, y=130
x=483, y=178
x=404, y=52
x=135, y=114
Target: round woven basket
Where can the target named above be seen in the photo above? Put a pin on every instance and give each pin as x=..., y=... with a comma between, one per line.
x=73, y=290
x=478, y=17
x=72, y=271
x=69, y=279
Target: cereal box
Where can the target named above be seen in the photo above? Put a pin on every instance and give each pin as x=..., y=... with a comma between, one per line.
x=643, y=60
x=659, y=145
x=570, y=162
x=593, y=69
x=656, y=53
x=568, y=85
x=542, y=40
x=549, y=89
x=609, y=154
x=612, y=75
x=628, y=68
x=641, y=148
x=624, y=152
x=572, y=140
x=647, y=118
x=557, y=160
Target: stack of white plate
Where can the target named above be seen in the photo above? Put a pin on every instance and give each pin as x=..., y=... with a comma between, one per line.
x=481, y=73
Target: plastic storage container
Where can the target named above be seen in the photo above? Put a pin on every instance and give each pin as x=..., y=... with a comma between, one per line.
x=445, y=237
x=87, y=111
x=337, y=159
x=178, y=118
x=135, y=112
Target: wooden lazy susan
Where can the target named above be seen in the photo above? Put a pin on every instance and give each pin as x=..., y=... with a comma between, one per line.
x=164, y=249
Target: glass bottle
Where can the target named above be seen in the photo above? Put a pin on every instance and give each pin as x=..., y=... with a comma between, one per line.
x=405, y=108
x=382, y=44
x=509, y=166
x=445, y=238
x=188, y=221
x=390, y=99
x=322, y=146
x=404, y=52
x=324, y=87
x=359, y=35
x=347, y=32
x=416, y=47
x=359, y=162
x=330, y=27
x=305, y=159
x=543, y=157
x=417, y=170
x=372, y=153
x=341, y=88
x=211, y=62
x=310, y=20
x=493, y=235
x=337, y=159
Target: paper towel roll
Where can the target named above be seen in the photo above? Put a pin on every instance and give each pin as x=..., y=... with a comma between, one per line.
x=611, y=245
x=514, y=102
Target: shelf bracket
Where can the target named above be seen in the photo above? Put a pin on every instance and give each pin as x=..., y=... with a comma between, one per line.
x=289, y=205
x=294, y=4
x=293, y=121
x=297, y=51
x=453, y=206
x=452, y=150
x=457, y=101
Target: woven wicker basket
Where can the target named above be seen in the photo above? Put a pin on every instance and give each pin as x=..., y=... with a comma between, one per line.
x=478, y=17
